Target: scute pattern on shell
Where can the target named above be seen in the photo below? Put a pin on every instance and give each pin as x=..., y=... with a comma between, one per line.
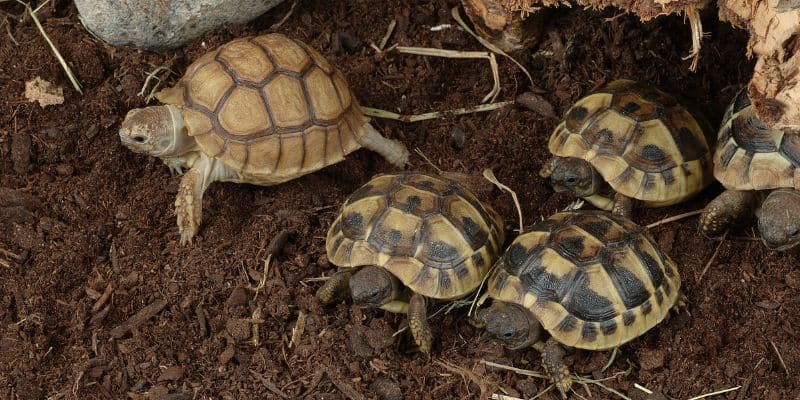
x=594, y=280
x=643, y=143
x=751, y=156
x=432, y=234
x=269, y=106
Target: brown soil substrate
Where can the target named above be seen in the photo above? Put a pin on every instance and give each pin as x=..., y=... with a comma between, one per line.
x=89, y=217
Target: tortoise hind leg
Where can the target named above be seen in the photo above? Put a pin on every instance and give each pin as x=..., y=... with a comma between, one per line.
x=418, y=322
x=393, y=151
x=623, y=205
x=553, y=361
x=727, y=209
x=335, y=288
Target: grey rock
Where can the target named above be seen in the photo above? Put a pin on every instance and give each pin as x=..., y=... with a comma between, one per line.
x=157, y=24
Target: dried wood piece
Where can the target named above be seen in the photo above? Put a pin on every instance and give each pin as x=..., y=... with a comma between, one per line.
x=774, y=28
x=139, y=318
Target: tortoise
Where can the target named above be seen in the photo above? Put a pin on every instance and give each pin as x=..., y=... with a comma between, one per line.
x=760, y=170
x=591, y=279
x=261, y=110
x=405, y=239
x=629, y=143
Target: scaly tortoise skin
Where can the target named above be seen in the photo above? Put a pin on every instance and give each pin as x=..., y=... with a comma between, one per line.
x=629, y=143
x=760, y=170
x=404, y=238
x=591, y=279
x=260, y=110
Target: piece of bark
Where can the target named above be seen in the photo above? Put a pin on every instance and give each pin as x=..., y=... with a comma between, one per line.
x=774, y=28
x=137, y=319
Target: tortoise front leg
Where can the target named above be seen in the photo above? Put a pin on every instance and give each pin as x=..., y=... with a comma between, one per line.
x=334, y=289
x=189, y=204
x=418, y=322
x=623, y=205
x=553, y=361
x=727, y=209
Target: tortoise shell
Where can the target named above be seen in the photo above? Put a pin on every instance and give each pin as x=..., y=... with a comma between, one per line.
x=752, y=156
x=268, y=106
x=431, y=233
x=640, y=140
x=593, y=280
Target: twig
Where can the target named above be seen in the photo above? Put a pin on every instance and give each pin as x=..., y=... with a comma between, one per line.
x=483, y=384
x=153, y=75
x=475, y=303
x=713, y=256
x=263, y=277
x=780, y=358
x=8, y=31
x=457, y=16
x=489, y=175
x=299, y=328
x=642, y=388
x=378, y=113
x=715, y=393
x=431, y=52
x=285, y=17
x=70, y=75
x=256, y=316
x=498, y=396
x=516, y=370
x=674, y=218
x=386, y=37
x=611, y=359
x=421, y=154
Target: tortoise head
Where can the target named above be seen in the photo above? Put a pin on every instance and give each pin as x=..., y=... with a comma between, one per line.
x=572, y=174
x=777, y=219
x=373, y=286
x=153, y=130
x=510, y=324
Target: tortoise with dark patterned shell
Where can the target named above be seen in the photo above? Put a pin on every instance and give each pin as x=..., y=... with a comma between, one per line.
x=588, y=279
x=760, y=169
x=402, y=239
x=629, y=143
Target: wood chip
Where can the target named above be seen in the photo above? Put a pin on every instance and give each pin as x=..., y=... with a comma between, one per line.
x=297, y=331
x=538, y=104
x=172, y=373
x=46, y=93
x=344, y=387
x=278, y=242
x=139, y=318
x=269, y=385
x=103, y=298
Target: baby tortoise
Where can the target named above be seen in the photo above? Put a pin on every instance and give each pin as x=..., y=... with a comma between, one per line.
x=260, y=110
x=760, y=170
x=591, y=279
x=405, y=238
x=629, y=143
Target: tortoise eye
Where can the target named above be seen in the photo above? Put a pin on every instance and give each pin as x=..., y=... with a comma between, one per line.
x=139, y=139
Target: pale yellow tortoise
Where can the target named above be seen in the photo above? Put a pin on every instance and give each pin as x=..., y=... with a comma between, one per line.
x=261, y=110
